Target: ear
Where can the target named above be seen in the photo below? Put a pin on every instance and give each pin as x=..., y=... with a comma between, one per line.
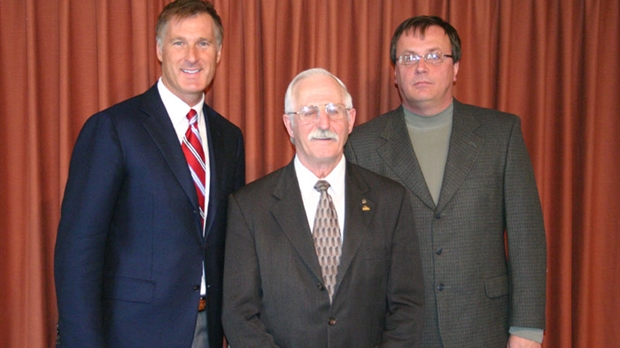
x=159, y=52
x=289, y=125
x=455, y=71
x=352, y=114
x=219, y=55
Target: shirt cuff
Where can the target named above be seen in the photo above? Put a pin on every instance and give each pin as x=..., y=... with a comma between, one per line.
x=528, y=333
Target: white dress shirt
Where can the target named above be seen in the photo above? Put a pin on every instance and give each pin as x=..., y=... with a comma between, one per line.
x=177, y=111
x=310, y=195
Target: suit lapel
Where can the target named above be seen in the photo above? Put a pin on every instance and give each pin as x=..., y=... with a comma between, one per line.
x=161, y=130
x=289, y=213
x=398, y=154
x=216, y=164
x=464, y=148
x=357, y=218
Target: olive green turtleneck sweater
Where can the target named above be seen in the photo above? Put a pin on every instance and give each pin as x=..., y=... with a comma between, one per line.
x=430, y=137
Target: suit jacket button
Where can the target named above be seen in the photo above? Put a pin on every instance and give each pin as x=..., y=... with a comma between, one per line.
x=440, y=287
x=438, y=216
x=439, y=250
x=196, y=287
x=320, y=286
x=332, y=321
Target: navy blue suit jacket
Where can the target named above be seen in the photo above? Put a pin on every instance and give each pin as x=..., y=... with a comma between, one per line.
x=130, y=250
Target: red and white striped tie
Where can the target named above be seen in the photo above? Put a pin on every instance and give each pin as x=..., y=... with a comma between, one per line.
x=192, y=148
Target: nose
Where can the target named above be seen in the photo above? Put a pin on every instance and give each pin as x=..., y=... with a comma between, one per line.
x=422, y=66
x=323, y=120
x=191, y=53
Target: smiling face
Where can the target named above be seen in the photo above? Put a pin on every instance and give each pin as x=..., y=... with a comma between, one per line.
x=189, y=55
x=319, y=145
x=425, y=89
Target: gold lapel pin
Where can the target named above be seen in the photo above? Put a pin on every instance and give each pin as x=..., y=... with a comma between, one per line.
x=364, y=206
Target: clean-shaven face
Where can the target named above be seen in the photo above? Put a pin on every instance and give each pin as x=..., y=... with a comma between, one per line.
x=425, y=89
x=189, y=55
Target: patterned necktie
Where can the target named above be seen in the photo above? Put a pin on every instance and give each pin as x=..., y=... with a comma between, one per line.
x=326, y=235
x=192, y=148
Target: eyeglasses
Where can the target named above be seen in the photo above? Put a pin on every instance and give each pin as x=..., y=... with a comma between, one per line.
x=310, y=113
x=434, y=58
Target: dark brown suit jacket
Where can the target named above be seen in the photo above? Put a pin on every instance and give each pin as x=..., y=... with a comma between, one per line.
x=273, y=288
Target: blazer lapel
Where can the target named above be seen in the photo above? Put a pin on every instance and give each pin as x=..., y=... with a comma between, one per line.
x=216, y=165
x=464, y=148
x=398, y=154
x=359, y=210
x=161, y=130
x=289, y=213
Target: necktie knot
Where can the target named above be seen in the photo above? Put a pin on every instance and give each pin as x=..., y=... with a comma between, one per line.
x=192, y=116
x=321, y=186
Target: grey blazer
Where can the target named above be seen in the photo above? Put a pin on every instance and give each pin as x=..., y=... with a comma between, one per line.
x=475, y=287
x=273, y=288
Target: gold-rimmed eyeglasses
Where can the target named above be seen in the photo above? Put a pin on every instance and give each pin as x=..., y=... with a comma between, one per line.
x=310, y=113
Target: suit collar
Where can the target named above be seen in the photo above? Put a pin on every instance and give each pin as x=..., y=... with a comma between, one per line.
x=399, y=155
x=359, y=210
x=289, y=212
x=216, y=142
x=161, y=130
x=465, y=146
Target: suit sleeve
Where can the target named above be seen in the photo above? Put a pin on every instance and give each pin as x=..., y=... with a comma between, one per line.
x=95, y=177
x=526, y=237
x=405, y=295
x=242, y=285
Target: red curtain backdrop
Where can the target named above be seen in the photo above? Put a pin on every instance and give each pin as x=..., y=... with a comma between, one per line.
x=553, y=62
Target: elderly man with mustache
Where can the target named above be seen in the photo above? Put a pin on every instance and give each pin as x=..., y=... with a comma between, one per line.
x=321, y=253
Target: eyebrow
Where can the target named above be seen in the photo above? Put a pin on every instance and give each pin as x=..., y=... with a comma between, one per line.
x=428, y=50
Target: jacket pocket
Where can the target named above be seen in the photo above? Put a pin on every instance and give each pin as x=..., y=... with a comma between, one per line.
x=128, y=289
x=496, y=286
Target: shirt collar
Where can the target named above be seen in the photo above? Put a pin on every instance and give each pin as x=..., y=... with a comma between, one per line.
x=176, y=107
x=335, y=178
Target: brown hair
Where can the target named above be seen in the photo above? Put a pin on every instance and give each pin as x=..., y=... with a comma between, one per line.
x=184, y=9
x=420, y=23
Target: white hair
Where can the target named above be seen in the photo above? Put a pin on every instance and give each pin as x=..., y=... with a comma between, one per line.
x=289, y=105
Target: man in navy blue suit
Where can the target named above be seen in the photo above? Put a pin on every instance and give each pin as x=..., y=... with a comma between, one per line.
x=136, y=263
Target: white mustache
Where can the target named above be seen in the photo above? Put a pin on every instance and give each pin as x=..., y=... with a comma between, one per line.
x=322, y=134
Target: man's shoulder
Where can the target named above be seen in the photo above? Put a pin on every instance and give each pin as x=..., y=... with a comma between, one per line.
x=377, y=124
x=262, y=186
x=372, y=179
x=217, y=120
x=132, y=105
x=483, y=114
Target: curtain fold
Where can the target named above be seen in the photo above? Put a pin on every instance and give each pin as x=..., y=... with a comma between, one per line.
x=554, y=63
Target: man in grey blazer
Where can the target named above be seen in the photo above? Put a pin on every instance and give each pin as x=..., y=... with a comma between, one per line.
x=277, y=289
x=471, y=184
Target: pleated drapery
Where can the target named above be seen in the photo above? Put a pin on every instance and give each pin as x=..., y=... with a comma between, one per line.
x=555, y=63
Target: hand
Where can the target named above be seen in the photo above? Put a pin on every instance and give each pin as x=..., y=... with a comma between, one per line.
x=520, y=342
